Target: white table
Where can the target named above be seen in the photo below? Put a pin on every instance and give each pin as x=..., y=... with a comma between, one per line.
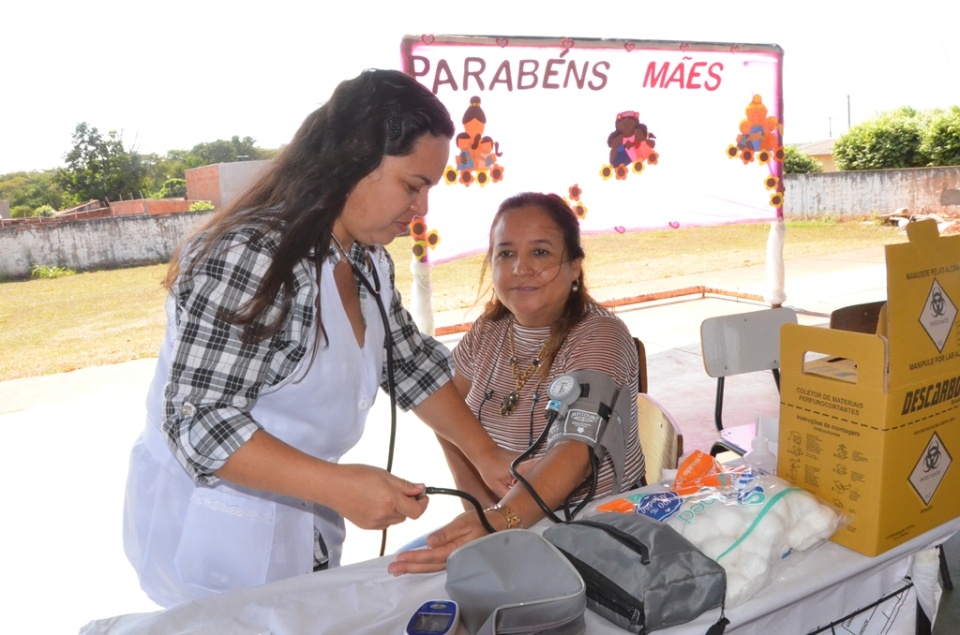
x=817, y=588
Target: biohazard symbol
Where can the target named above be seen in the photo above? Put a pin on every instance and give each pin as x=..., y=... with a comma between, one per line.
x=938, y=304
x=932, y=459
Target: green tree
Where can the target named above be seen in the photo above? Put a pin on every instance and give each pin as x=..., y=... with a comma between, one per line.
x=221, y=151
x=941, y=139
x=101, y=168
x=797, y=162
x=31, y=189
x=889, y=140
x=173, y=188
x=161, y=169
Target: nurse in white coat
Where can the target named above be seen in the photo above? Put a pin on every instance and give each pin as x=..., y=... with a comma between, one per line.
x=275, y=348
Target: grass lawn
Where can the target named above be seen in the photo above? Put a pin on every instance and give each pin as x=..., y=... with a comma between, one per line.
x=106, y=317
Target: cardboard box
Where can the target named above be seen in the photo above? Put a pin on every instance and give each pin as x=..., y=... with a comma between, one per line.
x=870, y=423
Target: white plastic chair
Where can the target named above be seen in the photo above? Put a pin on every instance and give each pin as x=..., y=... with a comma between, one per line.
x=735, y=345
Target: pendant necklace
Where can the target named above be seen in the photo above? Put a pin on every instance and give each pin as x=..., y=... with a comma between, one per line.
x=509, y=403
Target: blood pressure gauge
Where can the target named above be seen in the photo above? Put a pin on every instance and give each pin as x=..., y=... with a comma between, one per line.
x=434, y=617
x=562, y=389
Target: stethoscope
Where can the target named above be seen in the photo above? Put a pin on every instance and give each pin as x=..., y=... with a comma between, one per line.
x=374, y=289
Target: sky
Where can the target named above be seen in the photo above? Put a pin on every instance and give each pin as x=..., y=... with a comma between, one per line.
x=167, y=76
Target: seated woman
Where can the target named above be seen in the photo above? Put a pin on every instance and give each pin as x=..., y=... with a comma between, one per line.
x=539, y=324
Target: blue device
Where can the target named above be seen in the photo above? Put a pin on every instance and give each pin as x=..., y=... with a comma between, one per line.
x=434, y=617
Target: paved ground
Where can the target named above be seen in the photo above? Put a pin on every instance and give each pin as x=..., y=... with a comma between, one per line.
x=68, y=436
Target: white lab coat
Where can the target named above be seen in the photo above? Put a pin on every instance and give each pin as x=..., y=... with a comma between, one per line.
x=188, y=541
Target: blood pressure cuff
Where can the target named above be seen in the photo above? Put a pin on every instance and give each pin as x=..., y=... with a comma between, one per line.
x=596, y=418
x=516, y=582
x=641, y=574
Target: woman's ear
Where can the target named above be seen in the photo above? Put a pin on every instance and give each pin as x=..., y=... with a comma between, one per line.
x=577, y=268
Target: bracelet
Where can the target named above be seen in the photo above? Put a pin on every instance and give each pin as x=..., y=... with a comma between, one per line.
x=513, y=521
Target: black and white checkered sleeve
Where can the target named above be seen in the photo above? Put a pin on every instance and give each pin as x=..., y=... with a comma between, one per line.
x=421, y=364
x=215, y=376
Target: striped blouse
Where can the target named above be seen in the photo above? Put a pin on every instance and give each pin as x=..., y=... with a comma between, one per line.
x=599, y=342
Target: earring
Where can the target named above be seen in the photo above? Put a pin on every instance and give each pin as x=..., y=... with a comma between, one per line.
x=576, y=286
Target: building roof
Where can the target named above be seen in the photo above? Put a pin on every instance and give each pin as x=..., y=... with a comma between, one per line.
x=816, y=148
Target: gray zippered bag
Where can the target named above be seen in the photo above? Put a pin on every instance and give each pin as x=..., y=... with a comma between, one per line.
x=641, y=574
x=514, y=582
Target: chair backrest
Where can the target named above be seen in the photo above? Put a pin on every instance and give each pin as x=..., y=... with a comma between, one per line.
x=642, y=357
x=861, y=318
x=660, y=437
x=743, y=342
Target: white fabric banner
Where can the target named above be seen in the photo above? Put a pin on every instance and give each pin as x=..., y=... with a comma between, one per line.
x=636, y=135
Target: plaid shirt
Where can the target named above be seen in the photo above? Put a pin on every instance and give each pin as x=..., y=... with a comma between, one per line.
x=215, y=377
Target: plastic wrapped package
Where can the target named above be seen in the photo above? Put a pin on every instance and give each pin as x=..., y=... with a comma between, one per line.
x=748, y=521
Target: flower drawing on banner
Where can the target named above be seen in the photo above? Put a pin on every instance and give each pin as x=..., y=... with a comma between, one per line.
x=631, y=145
x=477, y=158
x=759, y=137
x=776, y=199
x=450, y=175
x=574, y=202
x=423, y=238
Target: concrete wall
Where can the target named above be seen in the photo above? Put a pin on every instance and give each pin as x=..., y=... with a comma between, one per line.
x=919, y=190
x=145, y=238
x=237, y=177
x=104, y=243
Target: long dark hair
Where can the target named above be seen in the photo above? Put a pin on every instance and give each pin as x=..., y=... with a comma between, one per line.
x=379, y=113
x=578, y=300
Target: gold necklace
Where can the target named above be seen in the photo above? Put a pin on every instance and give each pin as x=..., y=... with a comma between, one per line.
x=509, y=403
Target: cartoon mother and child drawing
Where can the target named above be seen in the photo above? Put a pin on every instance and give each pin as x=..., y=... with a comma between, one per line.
x=477, y=151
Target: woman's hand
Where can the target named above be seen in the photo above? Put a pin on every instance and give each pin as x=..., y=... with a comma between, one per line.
x=372, y=498
x=440, y=544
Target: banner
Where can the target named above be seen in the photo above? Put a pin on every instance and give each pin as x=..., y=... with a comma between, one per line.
x=635, y=135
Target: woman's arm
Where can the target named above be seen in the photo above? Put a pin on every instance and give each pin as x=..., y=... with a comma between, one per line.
x=557, y=474
x=215, y=375
x=465, y=475
x=369, y=497
x=448, y=415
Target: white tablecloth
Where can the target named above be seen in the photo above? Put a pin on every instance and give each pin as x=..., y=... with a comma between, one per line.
x=817, y=588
